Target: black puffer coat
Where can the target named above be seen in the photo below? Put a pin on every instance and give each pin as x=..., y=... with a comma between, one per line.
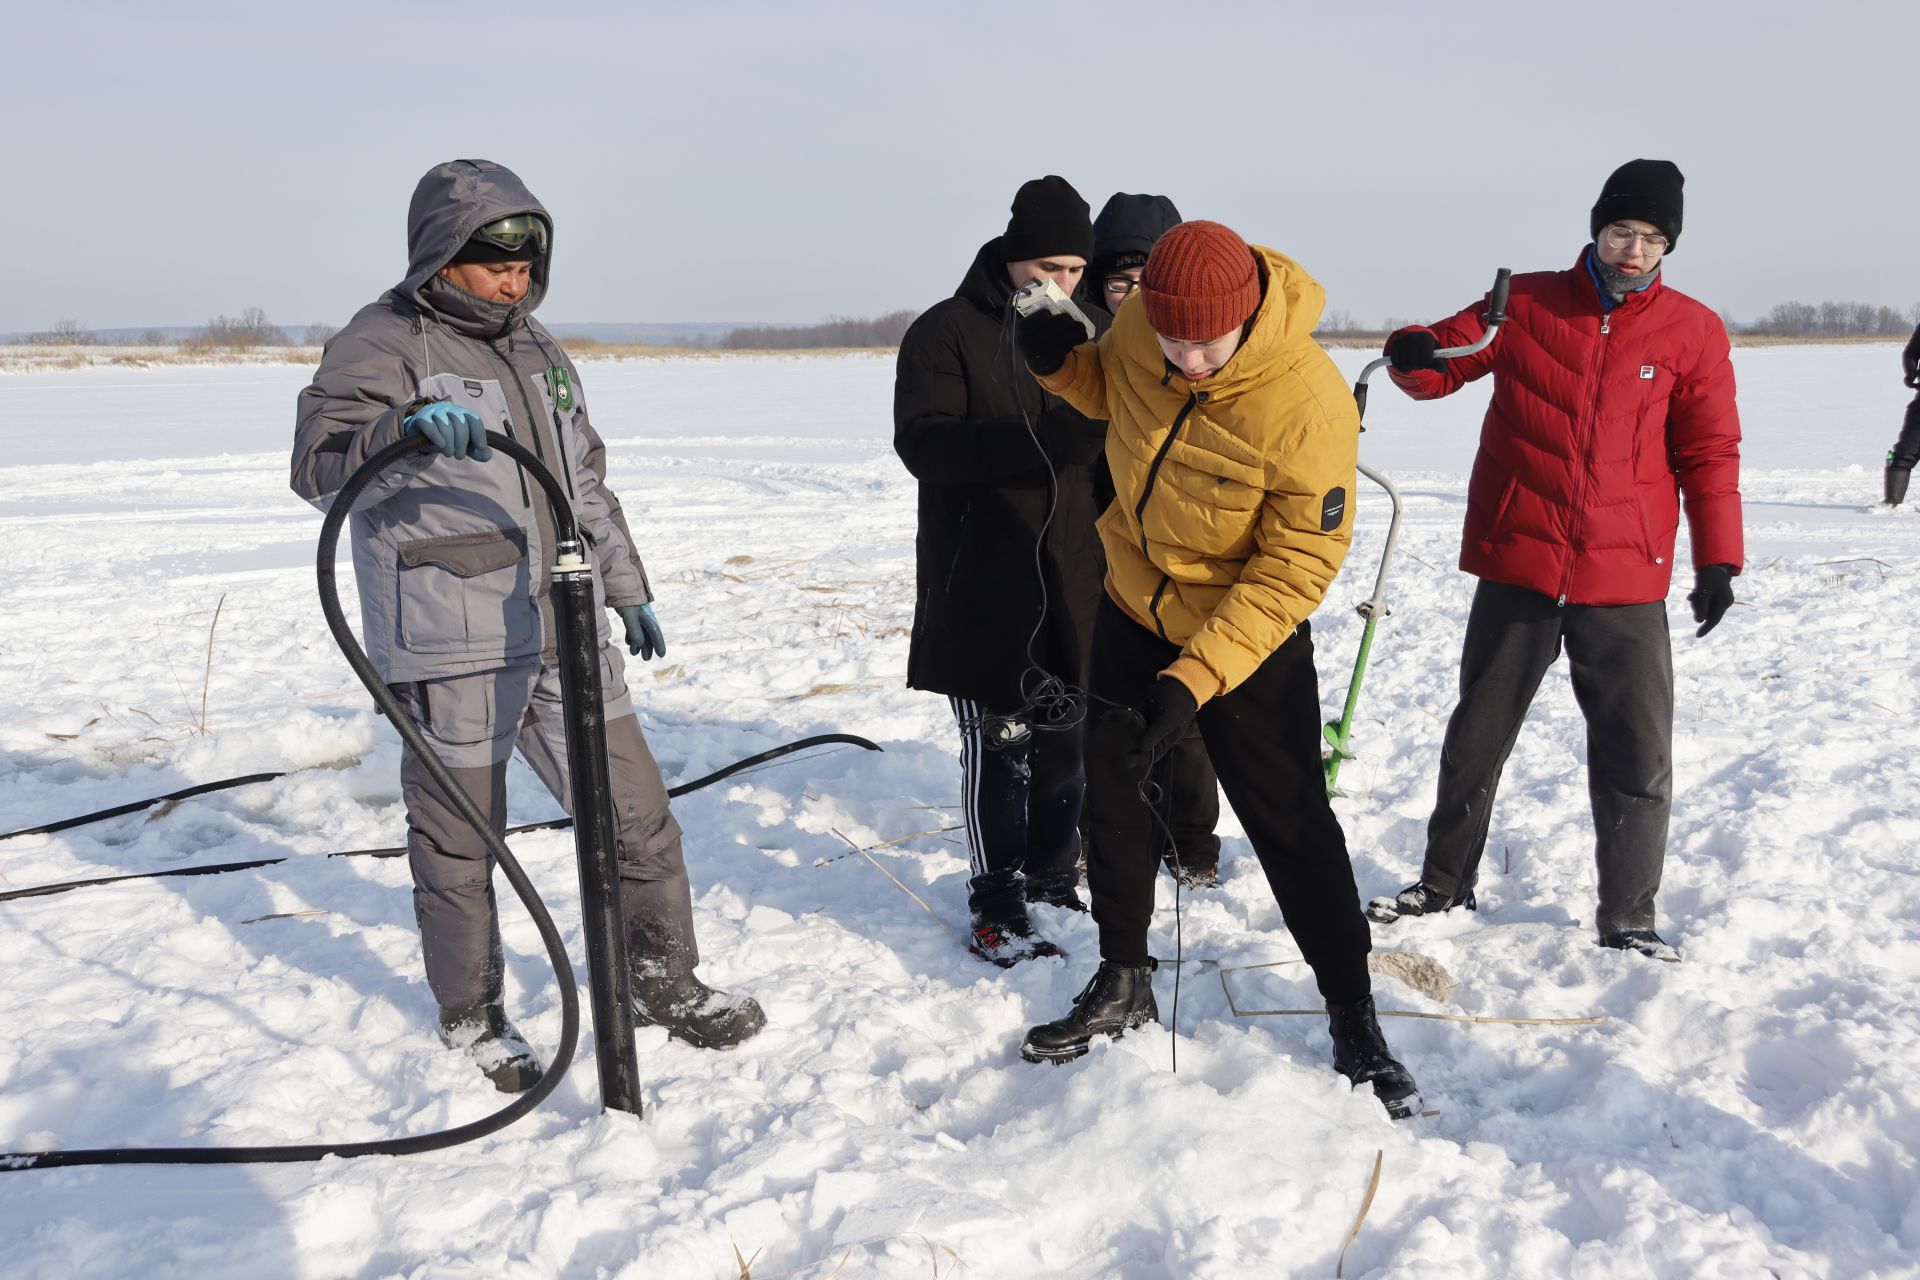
x=985, y=486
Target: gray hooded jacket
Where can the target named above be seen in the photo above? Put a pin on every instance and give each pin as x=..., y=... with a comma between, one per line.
x=452, y=556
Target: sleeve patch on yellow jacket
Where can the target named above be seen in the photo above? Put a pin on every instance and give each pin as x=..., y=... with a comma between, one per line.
x=1333, y=508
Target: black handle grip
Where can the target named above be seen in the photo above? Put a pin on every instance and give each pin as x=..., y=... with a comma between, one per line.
x=1497, y=300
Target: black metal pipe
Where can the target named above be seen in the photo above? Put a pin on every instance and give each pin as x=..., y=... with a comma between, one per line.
x=576, y=623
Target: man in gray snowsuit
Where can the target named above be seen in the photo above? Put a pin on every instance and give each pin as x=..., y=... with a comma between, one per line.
x=451, y=550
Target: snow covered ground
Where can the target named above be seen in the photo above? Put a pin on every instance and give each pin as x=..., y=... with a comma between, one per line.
x=1749, y=1112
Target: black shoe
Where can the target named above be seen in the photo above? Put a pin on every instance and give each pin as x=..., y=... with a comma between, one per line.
x=1643, y=941
x=1063, y=893
x=1006, y=938
x=690, y=1010
x=500, y=1051
x=1417, y=900
x=1360, y=1054
x=1195, y=875
x=1117, y=1000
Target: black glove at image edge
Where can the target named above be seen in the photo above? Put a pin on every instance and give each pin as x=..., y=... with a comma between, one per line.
x=1712, y=595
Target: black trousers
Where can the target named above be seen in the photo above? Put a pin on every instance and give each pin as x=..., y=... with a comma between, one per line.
x=1906, y=449
x=1022, y=807
x=1621, y=660
x=1264, y=740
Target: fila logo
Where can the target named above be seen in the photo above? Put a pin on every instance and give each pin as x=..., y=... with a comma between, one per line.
x=1646, y=372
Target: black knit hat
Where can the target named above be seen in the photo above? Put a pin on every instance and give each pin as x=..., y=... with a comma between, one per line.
x=1049, y=217
x=478, y=250
x=1646, y=191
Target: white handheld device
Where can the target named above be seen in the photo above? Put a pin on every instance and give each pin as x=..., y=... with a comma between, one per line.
x=1043, y=294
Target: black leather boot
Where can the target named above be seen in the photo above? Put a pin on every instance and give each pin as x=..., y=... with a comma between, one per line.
x=1360, y=1054
x=1115, y=1001
x=692, y=1011
x=496, y=1047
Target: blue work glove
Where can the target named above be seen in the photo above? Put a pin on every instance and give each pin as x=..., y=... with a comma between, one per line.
x=454, y=431
x=644, y=638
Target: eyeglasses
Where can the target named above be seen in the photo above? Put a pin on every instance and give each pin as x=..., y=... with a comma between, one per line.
x=513, y=232
x=1122, y=285
x=1621, y=237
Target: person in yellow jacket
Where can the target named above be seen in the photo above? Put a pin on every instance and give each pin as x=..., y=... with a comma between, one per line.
x=1232, y=440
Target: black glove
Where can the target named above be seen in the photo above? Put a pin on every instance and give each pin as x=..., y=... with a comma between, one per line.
x=1712, y=595
x=1910, y=361
x=1412, y=351
x=1897, y=477
x=1169, y=709
x=1069, y=438
x=1044, y=339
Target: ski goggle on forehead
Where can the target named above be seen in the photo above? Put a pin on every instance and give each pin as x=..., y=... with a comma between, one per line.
x=513, y=233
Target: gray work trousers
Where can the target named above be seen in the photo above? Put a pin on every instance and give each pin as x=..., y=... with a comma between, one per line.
x=1621, y=661
x=475, y=722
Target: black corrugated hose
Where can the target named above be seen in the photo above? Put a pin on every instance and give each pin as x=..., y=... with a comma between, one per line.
x=556, y=950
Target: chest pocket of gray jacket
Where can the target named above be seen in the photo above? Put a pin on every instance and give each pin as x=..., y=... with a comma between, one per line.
x=482, y=396
x=467, y=593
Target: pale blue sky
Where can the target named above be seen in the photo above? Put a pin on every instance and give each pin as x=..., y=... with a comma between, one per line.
x=784, y=162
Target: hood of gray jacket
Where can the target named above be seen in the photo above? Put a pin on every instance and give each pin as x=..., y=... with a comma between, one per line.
x=453, y=201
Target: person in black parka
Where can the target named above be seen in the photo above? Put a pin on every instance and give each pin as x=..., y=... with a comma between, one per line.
x=1008, y=565
x=1123, y=235
x=1906, y=450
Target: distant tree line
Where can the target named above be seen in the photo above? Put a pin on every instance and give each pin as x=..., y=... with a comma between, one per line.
x=837, y=331
x=253, y=330
x=250, y=331
x=1830, y=320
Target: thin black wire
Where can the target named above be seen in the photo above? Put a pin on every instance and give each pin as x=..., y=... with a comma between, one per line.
x=1152, y=793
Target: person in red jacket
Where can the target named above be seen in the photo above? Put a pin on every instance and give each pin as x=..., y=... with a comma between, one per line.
x=1613, y=400
x=1906, y=450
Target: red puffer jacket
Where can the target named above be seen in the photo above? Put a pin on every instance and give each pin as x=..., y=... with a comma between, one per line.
x=1600, y=421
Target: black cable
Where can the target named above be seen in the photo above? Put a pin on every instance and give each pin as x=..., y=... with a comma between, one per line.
x=1152, y=794
x=136, y=806
x=395, y=851
x=556, y=949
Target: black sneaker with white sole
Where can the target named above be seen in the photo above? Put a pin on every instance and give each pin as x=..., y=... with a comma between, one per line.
x=1417, y=899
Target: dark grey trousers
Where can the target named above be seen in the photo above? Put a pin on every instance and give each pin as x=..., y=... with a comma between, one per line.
x=475, y=722
x=1621, y=660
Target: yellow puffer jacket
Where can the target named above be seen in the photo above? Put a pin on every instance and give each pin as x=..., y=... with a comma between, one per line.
x=1234, y=503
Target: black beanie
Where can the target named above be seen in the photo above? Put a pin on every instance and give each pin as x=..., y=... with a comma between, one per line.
x=1049, y=217
x=1646, y=191
x=478, y=250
